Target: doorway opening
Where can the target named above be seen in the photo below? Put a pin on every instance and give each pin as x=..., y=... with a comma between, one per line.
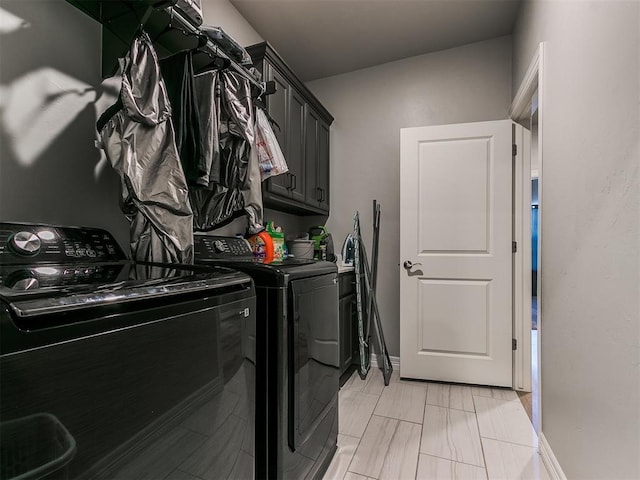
x=528, y=390
x=535, y=265
x=527, y=110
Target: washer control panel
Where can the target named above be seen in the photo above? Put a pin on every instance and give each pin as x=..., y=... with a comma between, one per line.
x=209, y=247
x=22, y=243
x=33, y=277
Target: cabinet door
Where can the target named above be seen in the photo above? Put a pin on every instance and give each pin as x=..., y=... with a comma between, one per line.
x=311, y=157
x=277, y=105
x=322, y=175
x=346, y=332
x=296, y=160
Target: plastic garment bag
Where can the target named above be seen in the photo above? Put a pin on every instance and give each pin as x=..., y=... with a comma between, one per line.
x=270, y=156
x=234, y=180
x=208, y=93
x=139, y=140
x=177, y=73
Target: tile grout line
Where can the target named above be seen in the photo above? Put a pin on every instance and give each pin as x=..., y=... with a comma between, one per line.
x=451, y=460
x=451, y=408
x=426, y=392
x=365, y=429
x=401, y=419
x=484, y=458
x=507, y=441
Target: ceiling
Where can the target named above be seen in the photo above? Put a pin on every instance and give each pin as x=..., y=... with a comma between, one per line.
x=322, y=38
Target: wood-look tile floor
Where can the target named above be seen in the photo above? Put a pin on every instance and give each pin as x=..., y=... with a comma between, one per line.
x=421, y=430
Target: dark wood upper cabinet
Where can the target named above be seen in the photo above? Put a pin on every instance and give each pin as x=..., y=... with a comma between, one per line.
x=303, y=134
x=311, y=156
x=322, y=175
x=278, y=107
x=296, y=160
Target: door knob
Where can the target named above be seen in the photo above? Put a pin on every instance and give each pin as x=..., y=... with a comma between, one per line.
x=409, y=265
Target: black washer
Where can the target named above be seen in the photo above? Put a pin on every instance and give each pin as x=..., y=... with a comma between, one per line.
x=112, y=369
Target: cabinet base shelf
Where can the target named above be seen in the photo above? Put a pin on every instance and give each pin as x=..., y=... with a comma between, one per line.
x=290, y=206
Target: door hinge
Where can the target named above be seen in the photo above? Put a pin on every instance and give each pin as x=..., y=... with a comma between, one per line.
x=514, y=247
x=514, y=150
x=514, y=344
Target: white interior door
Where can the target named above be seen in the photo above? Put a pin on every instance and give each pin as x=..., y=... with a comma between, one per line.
x=456, y=230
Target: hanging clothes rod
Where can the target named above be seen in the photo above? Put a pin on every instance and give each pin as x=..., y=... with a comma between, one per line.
x=121, y=17
x=211, y=47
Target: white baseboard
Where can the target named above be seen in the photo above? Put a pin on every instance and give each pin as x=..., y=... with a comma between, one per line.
x=549, y=459
x=395, y=362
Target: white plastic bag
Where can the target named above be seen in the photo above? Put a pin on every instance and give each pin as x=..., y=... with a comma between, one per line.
x=272, y=161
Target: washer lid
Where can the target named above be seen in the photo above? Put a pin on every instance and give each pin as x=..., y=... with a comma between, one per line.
x=36, y=290
x=277, y=274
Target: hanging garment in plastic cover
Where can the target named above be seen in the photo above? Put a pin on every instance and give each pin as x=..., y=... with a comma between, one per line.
x=138, y=138
x=177, y=74
x=208, y=93
x=270, y=156
x=234, y=179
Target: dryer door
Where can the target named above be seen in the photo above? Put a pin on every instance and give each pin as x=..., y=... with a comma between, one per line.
x=314, y=355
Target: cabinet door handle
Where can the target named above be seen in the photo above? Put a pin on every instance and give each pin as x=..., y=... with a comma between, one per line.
x=318, y=194
x=294, y=182
x=290, y=177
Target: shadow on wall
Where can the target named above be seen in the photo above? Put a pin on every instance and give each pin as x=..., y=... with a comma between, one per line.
x=50, y=93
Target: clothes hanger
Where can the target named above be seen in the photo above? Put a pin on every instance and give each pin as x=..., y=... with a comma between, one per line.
x=201, y=37
x=167, y=28
x=217, y=62
x=141, y=20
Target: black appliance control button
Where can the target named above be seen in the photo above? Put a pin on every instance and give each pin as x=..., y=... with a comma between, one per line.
x=26, y=284
x=22, y=280
x=26, y=243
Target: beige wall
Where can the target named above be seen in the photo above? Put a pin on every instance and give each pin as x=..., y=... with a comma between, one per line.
x=220, y=13
x=50, y=170
x=370, y=106
x=590, y=316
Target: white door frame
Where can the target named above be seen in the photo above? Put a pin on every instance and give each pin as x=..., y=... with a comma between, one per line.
x=522, y=260
x=520, y=110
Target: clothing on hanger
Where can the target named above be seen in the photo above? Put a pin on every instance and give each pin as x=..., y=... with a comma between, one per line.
x=177, y=73
x=207, y=88
x=139, y=141
x=234, y=184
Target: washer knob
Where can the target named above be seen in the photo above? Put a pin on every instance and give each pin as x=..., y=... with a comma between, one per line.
x=29, y=283
x=218, y=246
x=26, y=243
x=22, y=280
